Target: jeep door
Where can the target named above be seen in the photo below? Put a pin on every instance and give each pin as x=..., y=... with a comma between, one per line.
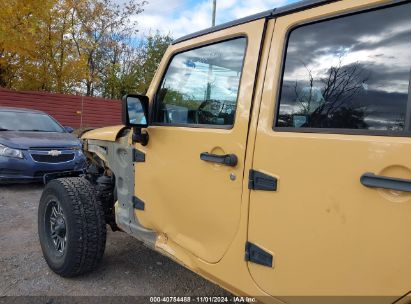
x=191, y=180
x=334, y=135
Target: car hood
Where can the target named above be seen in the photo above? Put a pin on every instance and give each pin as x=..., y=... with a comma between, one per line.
x=25, y=140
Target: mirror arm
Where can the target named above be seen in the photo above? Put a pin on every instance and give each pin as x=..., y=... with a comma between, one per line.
x=139, y=136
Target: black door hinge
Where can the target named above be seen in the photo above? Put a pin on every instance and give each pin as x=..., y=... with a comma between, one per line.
x=138, y=156
x=261, y=181
x=257, y=255
x=138, y=203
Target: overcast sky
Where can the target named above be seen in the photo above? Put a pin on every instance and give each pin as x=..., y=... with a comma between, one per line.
x=181, y=17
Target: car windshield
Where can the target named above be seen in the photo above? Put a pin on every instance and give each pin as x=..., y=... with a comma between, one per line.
x=25, y=121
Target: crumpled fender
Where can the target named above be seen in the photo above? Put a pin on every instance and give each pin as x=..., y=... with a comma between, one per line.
x=106, y=133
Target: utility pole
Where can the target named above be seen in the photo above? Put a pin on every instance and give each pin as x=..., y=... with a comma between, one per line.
x=210, y=67
x=214, y=9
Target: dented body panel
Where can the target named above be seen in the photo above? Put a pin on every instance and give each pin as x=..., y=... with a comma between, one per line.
x=119, y=158
x=323, y=232
x=107, y=133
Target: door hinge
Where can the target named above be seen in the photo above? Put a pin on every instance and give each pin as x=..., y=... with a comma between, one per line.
x=138, y=156
x=256, y=255
x=138, y=203
x=261, y=181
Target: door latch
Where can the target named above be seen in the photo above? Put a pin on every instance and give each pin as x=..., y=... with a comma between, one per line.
x=261, y=181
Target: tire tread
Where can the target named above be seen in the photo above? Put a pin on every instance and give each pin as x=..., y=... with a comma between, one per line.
x=88, y=225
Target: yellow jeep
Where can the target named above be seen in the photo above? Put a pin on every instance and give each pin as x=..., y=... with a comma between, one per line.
x=269, y=155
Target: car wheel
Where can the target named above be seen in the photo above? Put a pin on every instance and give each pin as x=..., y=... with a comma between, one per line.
x=71, y=226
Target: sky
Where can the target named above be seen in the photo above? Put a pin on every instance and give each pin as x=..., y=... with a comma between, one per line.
x=181, y=17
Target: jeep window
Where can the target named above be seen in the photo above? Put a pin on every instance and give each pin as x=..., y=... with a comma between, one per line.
x=352, y=72
x=201, y=85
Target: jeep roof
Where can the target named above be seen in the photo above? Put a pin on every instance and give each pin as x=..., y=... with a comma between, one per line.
x=272, y=13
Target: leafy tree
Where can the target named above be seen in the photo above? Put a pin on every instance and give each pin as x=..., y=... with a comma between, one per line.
x=19, y=20
x=133, y=68
x=101, y=32
x=68, y=46
x=155, y=47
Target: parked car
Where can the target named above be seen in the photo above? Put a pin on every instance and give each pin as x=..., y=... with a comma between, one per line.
x=270, y=155
x=33, y=144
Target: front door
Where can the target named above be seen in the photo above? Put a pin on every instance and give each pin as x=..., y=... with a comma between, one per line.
x=191, y=181
x=335, y=133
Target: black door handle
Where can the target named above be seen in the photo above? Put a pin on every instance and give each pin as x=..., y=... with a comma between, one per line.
x=227, y=159
x=377, y=181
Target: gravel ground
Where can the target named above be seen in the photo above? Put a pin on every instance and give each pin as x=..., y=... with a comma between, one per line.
x=128, y=268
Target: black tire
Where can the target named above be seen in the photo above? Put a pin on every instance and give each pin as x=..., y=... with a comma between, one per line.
x=75, y=245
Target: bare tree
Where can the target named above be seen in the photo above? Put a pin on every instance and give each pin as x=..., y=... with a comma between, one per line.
x=332, y=98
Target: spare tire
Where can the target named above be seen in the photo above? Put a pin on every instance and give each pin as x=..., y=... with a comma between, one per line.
x=71, y=226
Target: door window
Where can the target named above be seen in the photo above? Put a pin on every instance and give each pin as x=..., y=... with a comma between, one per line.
x=352, y=72
x=201, y=86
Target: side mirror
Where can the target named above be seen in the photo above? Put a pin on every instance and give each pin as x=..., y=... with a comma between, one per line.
x=69, y=129
x=135, y=114
x=135, y=111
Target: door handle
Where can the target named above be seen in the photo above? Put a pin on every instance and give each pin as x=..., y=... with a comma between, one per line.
x=227, y=159
x=377, y=181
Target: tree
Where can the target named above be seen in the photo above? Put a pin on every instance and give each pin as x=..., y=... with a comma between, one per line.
x=133, y=68
x=332, y=101
x=52, y=65
x=100, y=31
x=63, y=45
x=155, y=47
x=19, y=20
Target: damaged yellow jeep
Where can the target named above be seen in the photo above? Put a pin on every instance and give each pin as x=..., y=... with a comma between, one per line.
x=271, y=155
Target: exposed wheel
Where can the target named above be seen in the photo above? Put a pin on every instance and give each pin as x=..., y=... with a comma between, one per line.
x=71, y=226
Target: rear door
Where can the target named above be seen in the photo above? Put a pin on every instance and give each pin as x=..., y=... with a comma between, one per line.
x=334, y=132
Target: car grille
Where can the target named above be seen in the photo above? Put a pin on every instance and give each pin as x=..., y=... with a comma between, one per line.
x=43, y=158
x=51, y=148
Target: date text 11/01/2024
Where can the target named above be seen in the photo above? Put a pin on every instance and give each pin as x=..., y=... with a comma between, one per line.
x=203, y=299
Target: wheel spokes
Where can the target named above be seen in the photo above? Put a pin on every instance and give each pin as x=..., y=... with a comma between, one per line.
x=57, y=227
x=63, y=244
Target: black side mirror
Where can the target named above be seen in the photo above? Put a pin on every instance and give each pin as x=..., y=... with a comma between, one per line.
x=69, y=129
x=135, y=114
x=135, y=111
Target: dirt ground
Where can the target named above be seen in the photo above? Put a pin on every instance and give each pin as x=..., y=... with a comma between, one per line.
x=128, y=268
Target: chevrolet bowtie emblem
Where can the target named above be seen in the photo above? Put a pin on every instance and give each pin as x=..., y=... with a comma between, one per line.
x=54, y=153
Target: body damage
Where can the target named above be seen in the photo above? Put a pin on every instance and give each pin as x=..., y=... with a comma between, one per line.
x=170, y=213
x=114, y=160
x=106, y=134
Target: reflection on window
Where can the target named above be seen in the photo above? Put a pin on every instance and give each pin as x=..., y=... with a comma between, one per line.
x=201, y=85
x=26, y=121
x=352, y=72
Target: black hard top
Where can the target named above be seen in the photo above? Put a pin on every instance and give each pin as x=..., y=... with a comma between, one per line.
x=284, y=10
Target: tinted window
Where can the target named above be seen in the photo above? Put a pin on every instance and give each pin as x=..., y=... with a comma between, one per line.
x=352, y=72
x=201, y=85
x=21, y=121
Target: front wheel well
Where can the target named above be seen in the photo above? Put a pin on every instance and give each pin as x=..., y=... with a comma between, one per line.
x=104, y=183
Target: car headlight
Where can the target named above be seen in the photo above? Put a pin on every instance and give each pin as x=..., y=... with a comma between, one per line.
x=10, y=152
